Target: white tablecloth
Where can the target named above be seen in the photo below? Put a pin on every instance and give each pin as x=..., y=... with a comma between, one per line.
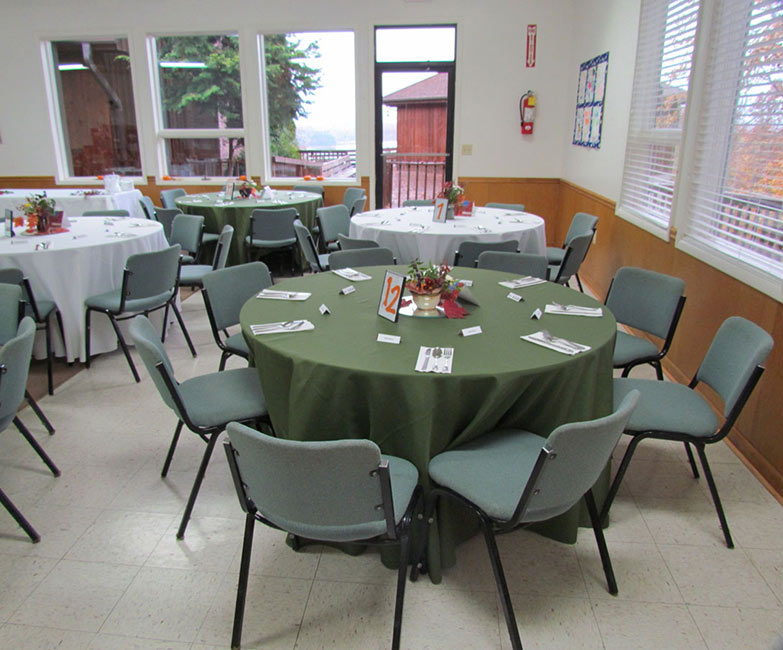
x=87, y=260
x=74, y=202
x=411, y=233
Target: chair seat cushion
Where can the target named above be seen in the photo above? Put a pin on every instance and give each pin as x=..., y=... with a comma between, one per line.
x=554, y=255
x=208, y=237
x=193, y=273
x=221, y=397
x=270, y=243
x=333, y=247
x=490, y=471
x=323, y=260
x=667, y=406
x=628, y=348
x=110, y=301
x=237, y=344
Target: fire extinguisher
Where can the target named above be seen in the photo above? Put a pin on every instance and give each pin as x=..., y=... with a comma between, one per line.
x=527, y=112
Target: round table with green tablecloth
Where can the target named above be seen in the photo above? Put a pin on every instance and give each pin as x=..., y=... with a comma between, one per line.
x=338, y=381
x=218, y=212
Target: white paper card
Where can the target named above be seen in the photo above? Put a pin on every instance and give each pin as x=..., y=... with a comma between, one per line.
x=471, y=331
x=346, y=290
x=536, y=314
x=388, y=338
x=440, y=209
x=514, y=296
x=324, y=310
x=466, y=283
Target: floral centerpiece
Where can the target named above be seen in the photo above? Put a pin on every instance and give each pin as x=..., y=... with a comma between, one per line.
x=38, y=210
x=247, y=187
x=452, y=192
x=430, y=283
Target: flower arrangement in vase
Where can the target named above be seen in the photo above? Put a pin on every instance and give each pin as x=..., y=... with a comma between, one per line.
x=247, y=187
x=38, y=210
x=453, y=193
x=429, y=283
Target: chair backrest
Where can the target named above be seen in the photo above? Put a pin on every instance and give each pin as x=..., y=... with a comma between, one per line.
x=15, y=276
x=166, y=217
x=333, y=220
x=147, y=207
x=517, y=263
x=325, y=490
x=516, y=207
x=167, y=197
x=316, y=189
x=581, y=224
x=186, y=230
x=11, y=311
x=307, y=246
x=361, y=257
x=153, y=354
x=573, y=257
x=151, y=274
x=468, y=252
x=358, y=205
x=572, y=459
x=646, y=300
x=351, y=194
x=410, y=203
x=227, y=290
x=222, y=247
x=348, y=243
x=737, y=349
x=273, y=225
x=105, y=213
x=14, y=365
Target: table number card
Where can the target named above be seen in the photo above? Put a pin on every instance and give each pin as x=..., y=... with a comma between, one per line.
x=439, y=213
x=228, y=192
x=391, y=296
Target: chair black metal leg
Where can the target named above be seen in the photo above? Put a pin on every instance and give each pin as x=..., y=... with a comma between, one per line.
x=399, y=601
x=165, y=323
x=20, y=519
x=34, y=444
x=419, y=552
x=618, y=478
x=500, y=581
x=579, y=282
x=38, y=412
x=600, y=541
x=244, y=570
x=124, y=346
x=49, y=355
x=183, y=328
x=223, y=358
x=197, y=485
x=172, y=447
x=59, y=318
x=691, y=460
x=87, y=318
x=714, y=492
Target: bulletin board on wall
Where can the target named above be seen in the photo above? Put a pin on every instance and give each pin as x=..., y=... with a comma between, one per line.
x=590, y=101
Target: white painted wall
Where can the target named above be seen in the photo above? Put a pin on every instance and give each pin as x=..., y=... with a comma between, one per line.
x=491, y=73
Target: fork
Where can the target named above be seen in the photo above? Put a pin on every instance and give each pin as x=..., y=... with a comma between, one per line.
x=288, y=325
x=558, y=342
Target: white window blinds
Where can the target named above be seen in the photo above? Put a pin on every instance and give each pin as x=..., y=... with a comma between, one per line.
x=667, y=32
x=734, y=202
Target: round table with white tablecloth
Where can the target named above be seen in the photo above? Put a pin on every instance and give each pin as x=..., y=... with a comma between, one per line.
x=70, y=266
x=73, y=202
x=412, y=234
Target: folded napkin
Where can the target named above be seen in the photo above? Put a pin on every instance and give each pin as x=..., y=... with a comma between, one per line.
x=519, y=283
x=546, y=340
x=573, y=310
x=274, y=294
x=283, y=326
x=435, y=360
x=353, y=276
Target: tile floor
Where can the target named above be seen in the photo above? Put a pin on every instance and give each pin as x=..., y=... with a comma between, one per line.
x=109, y=573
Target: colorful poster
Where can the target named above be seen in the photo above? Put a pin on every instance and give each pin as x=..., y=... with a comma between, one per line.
x=590, y=95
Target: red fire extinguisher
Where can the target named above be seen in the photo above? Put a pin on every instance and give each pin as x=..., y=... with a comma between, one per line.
x=527, y=112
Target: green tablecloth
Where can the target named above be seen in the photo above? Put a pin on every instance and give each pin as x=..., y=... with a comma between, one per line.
x=237, y=213
x=337, y=381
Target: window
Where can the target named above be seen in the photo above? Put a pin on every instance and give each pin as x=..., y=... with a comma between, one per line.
x=663, y=66
x=311, y=105
x=200, y=126
x=95, y=114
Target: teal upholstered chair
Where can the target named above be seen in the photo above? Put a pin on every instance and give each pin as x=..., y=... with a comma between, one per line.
x=168, y=197
x=166, y=218
x=468, y=252
x=14, y=367
x=671, y=411
x=41, y=311
x=361, y=257
x=516, y=207
x=225, y=292
x=510, y=477
x=272, y=230
x=192, y=275
x=318, y=261
x=150, y=282
x=332, y=221
x=518, y=263
x=412, y=203
x=205, y=404
x=575, y=254
x=647, y=301
x=349, y=243
x=332, y=491
x=105, y=213
x=147, y=207
x=186, y=230
x=581, y=224
x=350, y=196
x=358, y=205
